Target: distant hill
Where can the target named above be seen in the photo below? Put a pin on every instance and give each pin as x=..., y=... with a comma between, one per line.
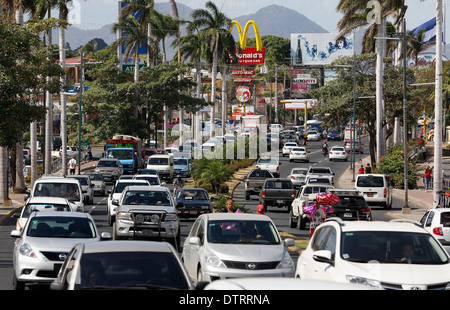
x=273, y=20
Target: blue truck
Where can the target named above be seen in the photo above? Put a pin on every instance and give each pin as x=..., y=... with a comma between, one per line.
x=128, y=150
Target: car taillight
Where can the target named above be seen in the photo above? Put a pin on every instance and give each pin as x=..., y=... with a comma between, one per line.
x=292, y=153
x=294, y=193
x=292, y=177
x=264, y=193
x=385, y=193
x=438, y=231
x=246, y=183
x=343, y=153
x=331, y=210
x=278, y=169
x=366, y=210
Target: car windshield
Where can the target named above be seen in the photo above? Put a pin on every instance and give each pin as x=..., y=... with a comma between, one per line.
x=63, y=190
x=392, y=247
x=334, y=132
x=242, y=232
x=107, y=163
x=158, y=161
x=153, y=180
x=298, y=149
x=121, y=185
x=61, y=227
x=370, y=181
x=192, y=195
x=82, y=180
x=130, y=269
x=180, y=161
x=337, y=149
x=96, y=177
x=34, y=207
x=319, y=171
x=268, y=161
x=147, y=197
x=120, y=154
x=315, y=190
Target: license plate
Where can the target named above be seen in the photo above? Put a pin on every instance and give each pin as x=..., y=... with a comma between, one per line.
x=193, y=212
x=348, y=215
x=147, y=232
x=280, y=201
x=369, y=194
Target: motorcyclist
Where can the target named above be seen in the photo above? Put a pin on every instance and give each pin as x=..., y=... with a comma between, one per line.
x=179, y=183
x=324, y=148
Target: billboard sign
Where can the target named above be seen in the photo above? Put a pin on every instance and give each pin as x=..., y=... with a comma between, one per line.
x=248, y=55
x=299, y=104
x=319, y=48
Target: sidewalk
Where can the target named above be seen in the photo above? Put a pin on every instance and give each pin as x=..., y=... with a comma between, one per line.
x=419, y=200
x=17, y=200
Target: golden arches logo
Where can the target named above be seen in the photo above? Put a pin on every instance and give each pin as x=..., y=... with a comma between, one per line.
x=243, y=34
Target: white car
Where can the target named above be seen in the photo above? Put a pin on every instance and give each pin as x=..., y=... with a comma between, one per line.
x=269, y=163
x=320, y=172
x=396, y=255
x=313, y=135
x=299, y=153
x=116, y=192
x=338, y=152
x=287, y=147
x=42, y=204
x=375, y=188
x=437, y=222
x=42, y=246
x=298, y=176
x=236, y=245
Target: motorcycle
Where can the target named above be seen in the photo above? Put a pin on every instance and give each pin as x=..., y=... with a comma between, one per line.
x=325, y=151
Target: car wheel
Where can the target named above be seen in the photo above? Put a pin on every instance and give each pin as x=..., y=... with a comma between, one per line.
x=115, y=236
x=302, y=223
x=199, y=275
x=292, y=223
x=18, y=285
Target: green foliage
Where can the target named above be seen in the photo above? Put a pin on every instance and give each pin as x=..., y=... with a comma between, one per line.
x=393, y=166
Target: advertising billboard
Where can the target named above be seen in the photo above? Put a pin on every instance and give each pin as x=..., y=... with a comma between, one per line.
x=319, y=48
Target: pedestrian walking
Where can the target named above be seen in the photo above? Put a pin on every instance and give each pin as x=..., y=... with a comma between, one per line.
x=424, y=152
x=72, y=165
x=361, y=170
x=427, y=177
x=368, y=168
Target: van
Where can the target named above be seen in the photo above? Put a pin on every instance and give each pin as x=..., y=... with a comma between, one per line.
x=163, y=164
x=375, y=188
x=58, y=186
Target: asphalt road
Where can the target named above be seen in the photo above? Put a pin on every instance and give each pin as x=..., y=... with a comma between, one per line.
x=280, y=216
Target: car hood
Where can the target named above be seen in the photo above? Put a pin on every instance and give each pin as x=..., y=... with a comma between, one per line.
x=56, y=244
x=147, y=208
x=408, y=275
x=248, y=252
x=194, y=202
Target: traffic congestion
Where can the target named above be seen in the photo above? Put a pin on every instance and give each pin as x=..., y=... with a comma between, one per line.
x=110, y=228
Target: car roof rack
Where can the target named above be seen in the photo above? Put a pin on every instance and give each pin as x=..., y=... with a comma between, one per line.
x=417, y=223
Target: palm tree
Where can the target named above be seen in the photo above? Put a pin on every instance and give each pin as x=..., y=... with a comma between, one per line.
x=144, y=7
x=414, y=44
x=215, y=26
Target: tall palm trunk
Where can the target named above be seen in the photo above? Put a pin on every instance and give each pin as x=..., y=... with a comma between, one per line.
x=213, y=89
x=63, y=98
x=379, y=89
x=49, y=115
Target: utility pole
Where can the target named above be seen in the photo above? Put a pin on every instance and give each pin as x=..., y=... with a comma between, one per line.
x=276, y=94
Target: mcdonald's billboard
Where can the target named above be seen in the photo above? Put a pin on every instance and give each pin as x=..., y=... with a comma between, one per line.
x=248, y=55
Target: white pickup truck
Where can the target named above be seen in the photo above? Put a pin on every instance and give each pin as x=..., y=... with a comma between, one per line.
x=306, y=196
x=72, y=151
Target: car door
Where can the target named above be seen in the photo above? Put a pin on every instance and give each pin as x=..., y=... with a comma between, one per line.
x=189, y=250
x=324, y=239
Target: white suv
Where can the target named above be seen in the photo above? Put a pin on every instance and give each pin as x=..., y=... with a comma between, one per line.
x=386, y=255
x=375, y=188
x=437, y=222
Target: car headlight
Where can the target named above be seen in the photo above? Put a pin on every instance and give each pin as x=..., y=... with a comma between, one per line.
x=213, y=260
x=115, y=172
x=26, y=250
x=363, y=281
x=170, y=217
x=286, y=262
x=124, y=216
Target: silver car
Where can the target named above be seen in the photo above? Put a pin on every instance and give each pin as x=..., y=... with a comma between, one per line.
x=122, y=265
x=42, y=246
x=236, y=245
x=86, y=186
x=99, y=183
x=147, y=212
x=298, y=176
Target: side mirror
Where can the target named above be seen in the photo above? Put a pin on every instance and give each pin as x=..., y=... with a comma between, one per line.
x=105, y=236
x=289, y=242
x=194, y=241
x=115, y=202
x=323, y=256
x=16, y=234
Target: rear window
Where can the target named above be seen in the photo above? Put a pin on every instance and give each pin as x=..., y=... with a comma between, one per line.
x=319, y=171
x=445, y=219
x=351, y=202
x=279, y=184
x=370, y=181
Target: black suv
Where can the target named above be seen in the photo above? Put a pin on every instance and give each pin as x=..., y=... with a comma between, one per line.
x=351, y=206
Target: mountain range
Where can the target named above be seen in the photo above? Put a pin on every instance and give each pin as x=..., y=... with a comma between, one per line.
x=273, y=20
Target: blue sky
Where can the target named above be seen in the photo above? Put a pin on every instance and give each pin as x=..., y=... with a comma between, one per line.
x=96, y=13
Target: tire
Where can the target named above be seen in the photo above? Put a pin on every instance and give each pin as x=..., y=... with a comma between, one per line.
x=301, y=223
x=292, y=223
x=199, y=275
x=18, y=285
x=115, y=236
